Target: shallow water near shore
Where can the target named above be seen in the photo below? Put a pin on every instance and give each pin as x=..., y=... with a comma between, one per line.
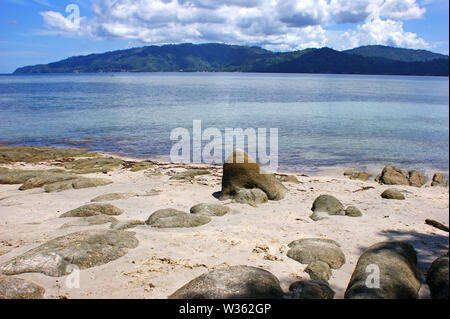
x=323, y=120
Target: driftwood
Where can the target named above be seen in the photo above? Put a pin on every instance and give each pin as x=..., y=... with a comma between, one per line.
x=364, y=189
x=436, y=225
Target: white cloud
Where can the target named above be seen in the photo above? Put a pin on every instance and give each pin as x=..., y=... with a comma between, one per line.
x=273, y=24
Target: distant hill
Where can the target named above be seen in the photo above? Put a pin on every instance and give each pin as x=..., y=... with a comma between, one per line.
x=231, y=58
x=397, y=54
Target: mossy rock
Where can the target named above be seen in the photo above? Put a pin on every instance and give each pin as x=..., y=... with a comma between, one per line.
x=94, y=165
x=393, y=194
x=189, y=174
x=171, y=218
x=210, y=209
x=309, y=250
x=82, y=249
x=77, y=183
x=91, y=221
x=14, y=154
x=113, y=197
x=17, y=288
x=93, y=210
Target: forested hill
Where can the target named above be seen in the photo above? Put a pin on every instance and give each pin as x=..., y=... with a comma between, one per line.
x=231, y=58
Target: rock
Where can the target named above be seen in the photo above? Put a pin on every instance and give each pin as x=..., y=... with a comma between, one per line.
x=353, y=211
x=240, y=171
x=328, y=204
x=288, y=179
x=189, y=174
x=417, y=179
x=391, y=175
x=319, y=271
x=45, y=179
x=14, y=154
x=349, y=171
x=309, y=250
x=127, y=224
x=437, y=278
x=91, y=221
x=83, y=249
x=171, y=218
x=252, y=197
x=236, y=282
x=362, y=176
x=438, y=179
x=210, y=209
x=392, y=194
x=93, y=210
x=113, y=197
x=17, y=288
x=94, y=165
x=78, y=183
x=311, y=289
x=15, y=176
x=399, y=276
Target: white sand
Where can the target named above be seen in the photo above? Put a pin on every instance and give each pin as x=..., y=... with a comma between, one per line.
x=166, y=259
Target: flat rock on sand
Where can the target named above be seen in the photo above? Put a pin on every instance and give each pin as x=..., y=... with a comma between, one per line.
x=83, y=249
x=91, y=221
x=210, y=209
x=398, y=273
x=318, y=270
x=113, y=197
x=53, y=180
x=94, y=165
x=93, y=210
x=172, y=218
x=309, y=250
x=236, y=282
x=17, y=288
x=240, y=171
x=252, y=197
x=14, y=154
x=189, y=174
x=392, y=194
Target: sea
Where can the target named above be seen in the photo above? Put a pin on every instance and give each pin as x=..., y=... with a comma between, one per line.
x=321, y=120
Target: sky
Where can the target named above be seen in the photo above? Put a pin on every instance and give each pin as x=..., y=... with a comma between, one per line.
x=43, y=31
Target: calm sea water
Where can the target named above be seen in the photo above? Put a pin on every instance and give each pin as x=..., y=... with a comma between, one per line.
x=323, y=120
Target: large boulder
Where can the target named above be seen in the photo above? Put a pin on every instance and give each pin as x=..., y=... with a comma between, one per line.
x=437, y=278
x=17, y=288
x=172, y=218
x=240, y=171
x=311, y=289
x=391, y=175
x=309, y=250
x=392, y=193
x=236, y=282
x=93, y=210
x=83, y=249
x=399, y=277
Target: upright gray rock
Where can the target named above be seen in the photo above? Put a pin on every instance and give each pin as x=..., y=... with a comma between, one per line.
x=236, y=282
x=437, y=278
x=398, y=277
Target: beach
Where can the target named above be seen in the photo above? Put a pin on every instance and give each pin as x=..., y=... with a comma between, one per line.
x=165, y=259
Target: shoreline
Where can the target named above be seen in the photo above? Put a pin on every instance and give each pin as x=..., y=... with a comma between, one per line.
x=167, y=258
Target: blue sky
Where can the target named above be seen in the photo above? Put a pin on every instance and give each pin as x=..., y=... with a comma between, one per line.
x=43, y=31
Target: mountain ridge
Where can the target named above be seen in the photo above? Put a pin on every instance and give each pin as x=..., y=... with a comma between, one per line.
x=215, y=57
